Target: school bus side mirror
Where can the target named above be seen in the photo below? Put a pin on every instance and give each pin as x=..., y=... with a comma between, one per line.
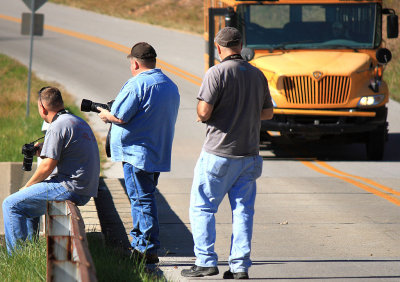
x=247, y=53
x=392, y=23
x=383, y=56
x=230, y=17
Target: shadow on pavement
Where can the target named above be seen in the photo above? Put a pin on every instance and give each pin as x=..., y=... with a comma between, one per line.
x=176, y=239
x=111, y=224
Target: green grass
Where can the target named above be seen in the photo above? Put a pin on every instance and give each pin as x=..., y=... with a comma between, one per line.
x=16, y=128
x=112, y=265
x=27, y=264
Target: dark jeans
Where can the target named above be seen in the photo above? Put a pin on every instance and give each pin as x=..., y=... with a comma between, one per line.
x=141, y=186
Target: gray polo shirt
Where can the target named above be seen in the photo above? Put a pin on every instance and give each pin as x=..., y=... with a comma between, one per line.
x=70, y=140
x=238, y=91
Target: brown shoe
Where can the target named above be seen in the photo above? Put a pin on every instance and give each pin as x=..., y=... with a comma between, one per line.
x=147, y=258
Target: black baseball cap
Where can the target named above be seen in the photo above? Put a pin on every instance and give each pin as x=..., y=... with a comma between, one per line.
x=228, y=37
x=142, y=50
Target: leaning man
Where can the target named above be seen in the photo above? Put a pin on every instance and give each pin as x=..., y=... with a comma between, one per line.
x=69, y=170
x=143, y=120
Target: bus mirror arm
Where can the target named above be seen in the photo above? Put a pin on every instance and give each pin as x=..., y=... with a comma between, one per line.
x=230, y=20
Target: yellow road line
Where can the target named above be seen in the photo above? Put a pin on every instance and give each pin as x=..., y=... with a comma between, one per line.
x=8, y=18
x=363, y=186
x=164, y=65
x=369, y=181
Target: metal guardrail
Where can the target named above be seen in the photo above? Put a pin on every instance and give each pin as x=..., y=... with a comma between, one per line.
x=68, y=256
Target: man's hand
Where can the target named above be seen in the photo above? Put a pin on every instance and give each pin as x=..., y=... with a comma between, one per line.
x=267, y=114
x=107, y=117
x=39, y=150
x=104, y=114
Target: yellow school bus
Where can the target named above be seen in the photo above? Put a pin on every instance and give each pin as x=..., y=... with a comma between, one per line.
x=324, y=61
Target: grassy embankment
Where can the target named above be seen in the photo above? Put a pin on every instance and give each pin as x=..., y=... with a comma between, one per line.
x=16, y=130
x=187, y=15
x=392, y=72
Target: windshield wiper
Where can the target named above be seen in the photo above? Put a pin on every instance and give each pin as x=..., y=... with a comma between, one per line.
x=284, y=45
x=339, y=46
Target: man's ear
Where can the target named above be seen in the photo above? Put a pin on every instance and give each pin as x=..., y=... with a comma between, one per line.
x=218, y=48
x=136, y=64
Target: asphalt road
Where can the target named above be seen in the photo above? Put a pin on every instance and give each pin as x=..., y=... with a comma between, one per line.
x=322, y=213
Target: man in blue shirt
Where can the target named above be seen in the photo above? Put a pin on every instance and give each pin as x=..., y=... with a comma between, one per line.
x=143, y=117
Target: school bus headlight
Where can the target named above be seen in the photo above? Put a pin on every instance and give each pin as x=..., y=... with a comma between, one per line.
x=368, y=101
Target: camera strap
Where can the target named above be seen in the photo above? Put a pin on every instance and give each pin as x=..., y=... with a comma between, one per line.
x=59, y=113
x=233, y=57
x=33, y=142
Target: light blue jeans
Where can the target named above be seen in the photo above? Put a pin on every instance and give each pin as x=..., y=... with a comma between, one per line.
x=214, y=177
x=22, y=210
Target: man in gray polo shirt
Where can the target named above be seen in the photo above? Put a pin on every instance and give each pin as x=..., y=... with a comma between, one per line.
x=233, y=99
x=69, y=170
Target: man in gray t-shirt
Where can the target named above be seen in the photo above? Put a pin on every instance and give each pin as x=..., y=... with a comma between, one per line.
x=233, y=99
x=69, y=170
x=238, y=92
x=70, y=140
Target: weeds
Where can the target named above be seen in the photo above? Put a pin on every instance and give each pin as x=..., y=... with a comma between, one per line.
x=114, y=265
x=26, y=264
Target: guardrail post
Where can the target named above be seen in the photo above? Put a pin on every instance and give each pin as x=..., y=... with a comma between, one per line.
x=68, y=256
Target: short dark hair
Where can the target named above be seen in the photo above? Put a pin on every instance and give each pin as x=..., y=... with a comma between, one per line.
x=148, y=63
x=52, y=97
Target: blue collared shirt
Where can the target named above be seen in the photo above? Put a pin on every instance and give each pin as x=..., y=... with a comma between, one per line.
x=148, y=104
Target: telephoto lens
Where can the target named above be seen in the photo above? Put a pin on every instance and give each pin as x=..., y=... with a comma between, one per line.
x=28, y=150
x=89, y=106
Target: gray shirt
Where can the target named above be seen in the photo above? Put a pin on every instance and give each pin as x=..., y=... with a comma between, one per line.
x=70, y=140
x=238, y=91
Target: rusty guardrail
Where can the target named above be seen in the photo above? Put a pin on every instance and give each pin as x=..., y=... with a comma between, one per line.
x=68, y=256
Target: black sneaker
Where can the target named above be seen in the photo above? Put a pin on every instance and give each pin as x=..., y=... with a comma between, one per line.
x=239, y=275
x=198, y=271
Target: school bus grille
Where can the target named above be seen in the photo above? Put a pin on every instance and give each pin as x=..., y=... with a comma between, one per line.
x=326, y=91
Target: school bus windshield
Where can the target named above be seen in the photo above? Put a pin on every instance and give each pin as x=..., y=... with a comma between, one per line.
x=330, y=26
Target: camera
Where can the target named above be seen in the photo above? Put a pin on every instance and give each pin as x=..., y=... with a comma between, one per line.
x=28, y=150
x=89, y=106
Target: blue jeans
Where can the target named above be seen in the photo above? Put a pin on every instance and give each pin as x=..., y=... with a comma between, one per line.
x=214, y=177
x=140, y=187
x=22, y=210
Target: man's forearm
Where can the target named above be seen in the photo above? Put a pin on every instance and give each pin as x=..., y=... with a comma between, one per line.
x=106, y=116
x=45, y=168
